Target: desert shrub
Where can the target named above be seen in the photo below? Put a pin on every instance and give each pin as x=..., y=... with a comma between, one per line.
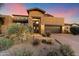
x=13, y=29
x=18, y=28
x=49, y=42
x=63, y=50
x=43, y=41
x=23, y=53
x=46, y=41
x=74, y=30
x=30, y=29
x=66, y=50
x=46, y=34
x=20, y=31
x=36, y=42
x=54, y=52
x=5, y=43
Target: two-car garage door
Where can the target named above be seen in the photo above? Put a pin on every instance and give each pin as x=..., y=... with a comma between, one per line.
x=53, y=28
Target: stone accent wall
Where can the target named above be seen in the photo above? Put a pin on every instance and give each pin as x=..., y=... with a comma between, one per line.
x=7, y=22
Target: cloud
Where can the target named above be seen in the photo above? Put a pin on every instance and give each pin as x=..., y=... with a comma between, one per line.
x=67, y=13
x=64, y=12
x=14, y=8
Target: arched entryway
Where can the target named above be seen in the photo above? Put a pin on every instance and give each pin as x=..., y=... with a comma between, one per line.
x=36, y=25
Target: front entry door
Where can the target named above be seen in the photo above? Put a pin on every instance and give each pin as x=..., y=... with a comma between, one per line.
x=36, y=26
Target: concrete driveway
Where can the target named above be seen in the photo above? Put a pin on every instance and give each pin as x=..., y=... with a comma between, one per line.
x=72, y=40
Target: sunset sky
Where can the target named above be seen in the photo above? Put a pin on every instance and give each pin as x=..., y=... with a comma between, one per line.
x=70, y=12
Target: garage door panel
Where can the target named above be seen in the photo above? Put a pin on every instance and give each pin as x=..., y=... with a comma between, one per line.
x=53, y=29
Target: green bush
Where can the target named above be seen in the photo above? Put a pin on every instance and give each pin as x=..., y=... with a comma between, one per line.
x=74, y=30
x=17, y=28
x=20, y=31
x=23, y=53
x=36, y=42
x=13, y=29
x=5, y=43
x=63, y=50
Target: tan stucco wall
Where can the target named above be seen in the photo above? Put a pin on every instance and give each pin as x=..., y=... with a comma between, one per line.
x=35, y=13
x=59, y=21
x=42, y=28
x=52, y=21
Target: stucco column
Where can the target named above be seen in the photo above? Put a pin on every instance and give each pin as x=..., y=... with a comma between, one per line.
x=63, y=29
x=42, y=28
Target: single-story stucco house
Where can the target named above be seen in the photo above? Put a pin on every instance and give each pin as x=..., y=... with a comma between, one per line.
x=37, y=18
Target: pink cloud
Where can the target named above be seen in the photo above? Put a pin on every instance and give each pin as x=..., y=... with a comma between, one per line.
x=62, y=12
x=16, y=8
x=71, y=12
